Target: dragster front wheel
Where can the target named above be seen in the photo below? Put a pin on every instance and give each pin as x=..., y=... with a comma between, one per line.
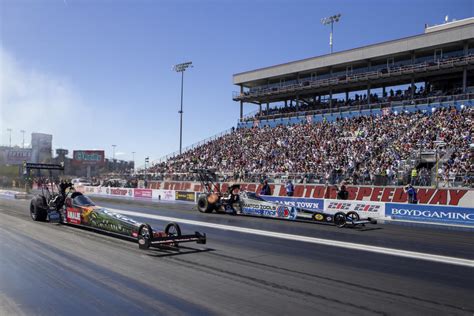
x=145, y=235
x=173, y=230
x=352, y=217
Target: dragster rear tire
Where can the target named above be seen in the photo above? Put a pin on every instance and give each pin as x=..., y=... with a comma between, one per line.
x=203, y=205
x=37, y=213
x=339, y=219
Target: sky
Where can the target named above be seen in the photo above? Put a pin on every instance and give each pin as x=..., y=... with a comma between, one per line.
x=99, y=72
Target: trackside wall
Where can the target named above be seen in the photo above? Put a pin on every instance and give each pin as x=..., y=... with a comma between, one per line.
x=422, y=213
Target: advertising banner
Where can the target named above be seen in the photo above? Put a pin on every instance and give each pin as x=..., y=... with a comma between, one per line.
x=431, y=196
x=89, y=190
x=429, y=213
x=185, y=196
x=363, y=208
x=309, y=204
x=88, y=157
x=165, y=195
x=142, y=193
x=120, y=192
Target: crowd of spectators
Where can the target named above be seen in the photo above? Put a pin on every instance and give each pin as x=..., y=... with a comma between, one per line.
x=420, y=94
x=357, y=150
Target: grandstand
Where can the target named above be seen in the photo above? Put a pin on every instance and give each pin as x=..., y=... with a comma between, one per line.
x=370, y=115
x=413, y=70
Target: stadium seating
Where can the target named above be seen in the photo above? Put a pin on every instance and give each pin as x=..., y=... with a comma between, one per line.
x=359, y=149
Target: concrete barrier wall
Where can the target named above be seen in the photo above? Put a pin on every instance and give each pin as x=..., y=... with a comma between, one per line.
x=423, y=213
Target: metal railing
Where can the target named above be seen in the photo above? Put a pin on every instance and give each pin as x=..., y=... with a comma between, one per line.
x=371, y=106
x=380, y=73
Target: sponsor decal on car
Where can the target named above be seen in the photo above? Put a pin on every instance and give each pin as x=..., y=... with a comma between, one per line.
x=318, y=217
x=73, y=216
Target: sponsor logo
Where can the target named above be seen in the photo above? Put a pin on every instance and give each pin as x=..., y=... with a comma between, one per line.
x=117, y=191
x=261, y=206
x=73, y=217
x=259, y=212
x=168, y=195
x=318, y=217
x=283, y=211
x=339, y=206
x=143, y=193
x=185, y=196
x=372, y=209
x=89, y=189
x=441, y=215
x=361, y=207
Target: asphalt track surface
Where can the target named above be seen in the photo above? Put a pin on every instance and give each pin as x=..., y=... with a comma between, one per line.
x=49, y=269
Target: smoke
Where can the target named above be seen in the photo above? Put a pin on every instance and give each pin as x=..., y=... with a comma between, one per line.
x=34, y=101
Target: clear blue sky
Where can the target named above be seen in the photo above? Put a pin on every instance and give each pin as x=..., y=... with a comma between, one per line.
x=99, y=73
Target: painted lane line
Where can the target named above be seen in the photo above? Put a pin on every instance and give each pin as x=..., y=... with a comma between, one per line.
x=313, y=240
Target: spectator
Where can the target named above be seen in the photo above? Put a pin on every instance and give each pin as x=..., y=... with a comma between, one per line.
x=289, y=188
x=412, y=196
x=343, y=194
x=266, y=190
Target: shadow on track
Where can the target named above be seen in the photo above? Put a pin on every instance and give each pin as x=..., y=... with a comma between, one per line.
x=169, y=251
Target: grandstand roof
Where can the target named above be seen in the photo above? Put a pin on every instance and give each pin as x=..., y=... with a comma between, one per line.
x=454, y=33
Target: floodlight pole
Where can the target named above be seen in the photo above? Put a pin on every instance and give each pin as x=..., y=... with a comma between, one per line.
x=181, y=68
x=181, y=115
x=331, y=20
x=330, y=35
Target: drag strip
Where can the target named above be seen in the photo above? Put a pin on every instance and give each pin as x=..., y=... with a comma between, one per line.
x=326, y=242
x=234, y=273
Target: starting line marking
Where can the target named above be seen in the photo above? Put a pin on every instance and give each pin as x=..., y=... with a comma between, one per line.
x=313, y=240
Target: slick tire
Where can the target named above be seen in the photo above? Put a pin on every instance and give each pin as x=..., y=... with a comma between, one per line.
x=37, y=214
x=203, y=205
x=353, y=215
x=145, y=235
x=339, y=219
x=173, y=229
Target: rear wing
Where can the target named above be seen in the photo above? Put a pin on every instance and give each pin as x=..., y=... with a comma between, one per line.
x=28, y=166
x=43, y=166
x=206, y=177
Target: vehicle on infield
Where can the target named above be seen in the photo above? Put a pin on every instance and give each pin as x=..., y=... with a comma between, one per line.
x=238, y=202
x=66, y=206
